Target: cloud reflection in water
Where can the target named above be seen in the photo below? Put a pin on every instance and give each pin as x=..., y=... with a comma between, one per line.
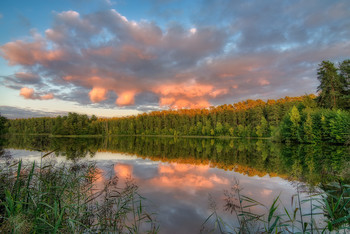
x=179, y=193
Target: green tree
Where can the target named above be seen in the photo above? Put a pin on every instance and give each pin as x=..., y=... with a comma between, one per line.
x=324, y=128
x=309, y=101
x=262, y=130
x=241, y=130
x=231, y=130
x=3, y=121
x=219, y=129
x=330, y=87
x=344, y=73
x=339, y=126
x=212, y=132
x=295, y=119
x=308, y=133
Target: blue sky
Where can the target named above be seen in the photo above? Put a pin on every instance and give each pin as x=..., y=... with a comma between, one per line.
x=116, y=58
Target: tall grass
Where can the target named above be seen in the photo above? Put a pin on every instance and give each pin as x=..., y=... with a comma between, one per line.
x=331, y=208
x=51, y=197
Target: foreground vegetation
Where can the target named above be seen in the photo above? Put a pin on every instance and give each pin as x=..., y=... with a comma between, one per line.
x=67, y=198
x=329, y=211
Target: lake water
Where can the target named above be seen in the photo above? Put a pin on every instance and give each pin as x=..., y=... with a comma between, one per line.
x=177, y=176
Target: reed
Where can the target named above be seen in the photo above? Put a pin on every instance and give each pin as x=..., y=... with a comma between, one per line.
x=51, y=197
x=331, y=206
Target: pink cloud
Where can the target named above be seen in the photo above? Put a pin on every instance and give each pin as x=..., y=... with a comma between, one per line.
x=263, y=82
x=97, y=94
x=187, y=177
x=123, y=170
x=166, y=101
x=266, y=192
x=29, y=53
x=183, y=181
x=187, y=95
x=47, y=96
x=29, y=93
x=126, y=98
x=20, y=53
x=183, y=103
x=190, y=90
x=218, y=92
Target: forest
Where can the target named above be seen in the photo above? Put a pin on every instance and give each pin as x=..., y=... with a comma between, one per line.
x=304, y=119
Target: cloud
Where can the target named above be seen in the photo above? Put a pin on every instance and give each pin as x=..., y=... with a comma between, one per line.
x=126, y=98
x=47, y=96
x=29, y=93
x=13, y=112
x=239, y=52
x=123, y=170
x=188, y=94
x=187, y=177
x=30, y=53
x=106, y=52
x=27, y=77
x=97, y=94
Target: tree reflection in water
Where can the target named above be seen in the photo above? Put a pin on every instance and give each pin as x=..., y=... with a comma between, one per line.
x=310, y=163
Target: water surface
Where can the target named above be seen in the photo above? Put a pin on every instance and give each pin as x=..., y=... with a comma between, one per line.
x=178, y=175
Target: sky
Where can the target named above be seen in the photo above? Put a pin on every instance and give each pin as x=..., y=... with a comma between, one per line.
x=118, y=58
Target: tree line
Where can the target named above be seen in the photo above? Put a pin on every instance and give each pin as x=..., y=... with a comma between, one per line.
x=306, y=119
x=244, y=119
x=289, y=119
x=72, y=124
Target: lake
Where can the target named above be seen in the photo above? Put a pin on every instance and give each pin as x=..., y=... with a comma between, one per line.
x=180, y=177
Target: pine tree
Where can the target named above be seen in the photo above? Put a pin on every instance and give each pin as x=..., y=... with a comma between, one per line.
x=344, y=73
x=330, y=87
